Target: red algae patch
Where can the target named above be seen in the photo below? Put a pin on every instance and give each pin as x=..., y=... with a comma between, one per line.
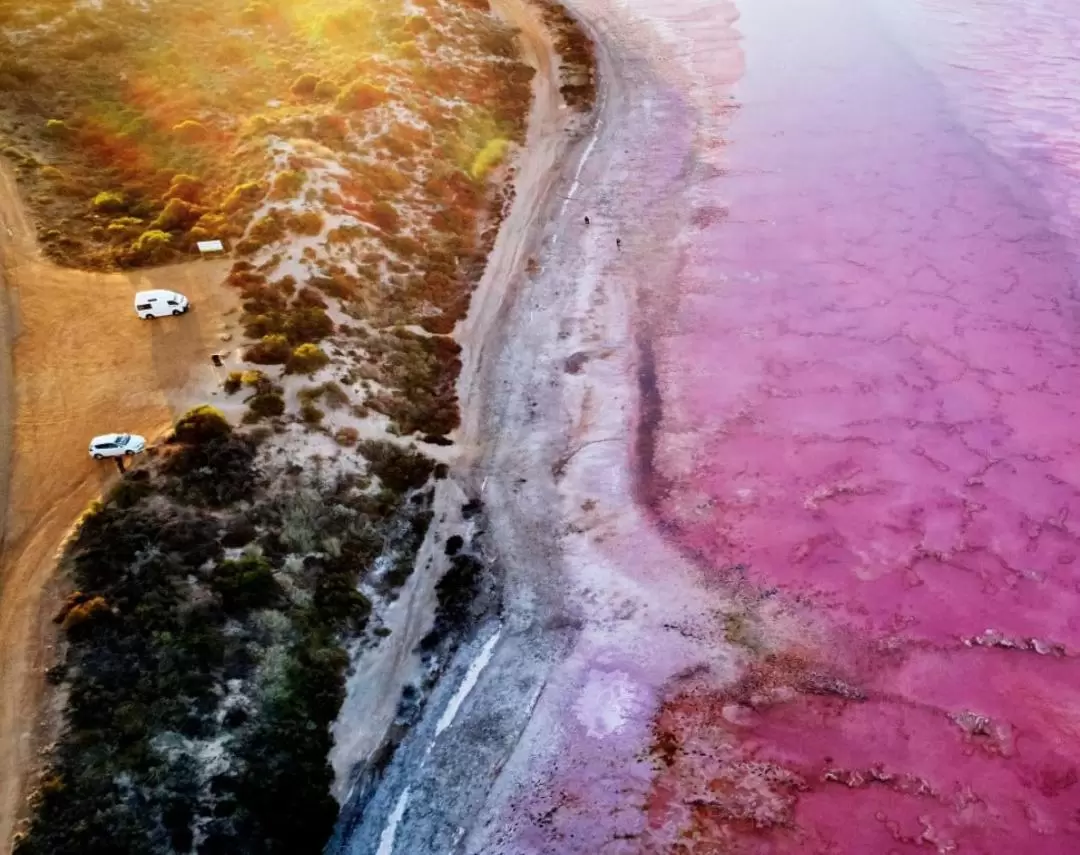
x=786, y=762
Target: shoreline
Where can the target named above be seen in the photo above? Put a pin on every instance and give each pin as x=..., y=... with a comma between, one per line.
x=538, y=171
x=555, y=474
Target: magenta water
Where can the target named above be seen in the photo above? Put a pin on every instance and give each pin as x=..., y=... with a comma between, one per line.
x=871, y=398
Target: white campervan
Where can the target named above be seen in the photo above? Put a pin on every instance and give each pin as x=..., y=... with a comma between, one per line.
x=159, y=303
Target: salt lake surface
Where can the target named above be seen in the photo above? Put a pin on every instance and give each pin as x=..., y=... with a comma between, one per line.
x=871, y=391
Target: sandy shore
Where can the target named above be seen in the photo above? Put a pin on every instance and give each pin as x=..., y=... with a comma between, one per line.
x=83, y=364
x=550, y=392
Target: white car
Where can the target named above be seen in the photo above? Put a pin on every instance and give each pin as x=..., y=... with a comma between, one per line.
x=116, y=445
x=160, y=303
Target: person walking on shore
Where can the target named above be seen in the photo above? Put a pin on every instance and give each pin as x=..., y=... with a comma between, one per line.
x=618, y=243
x=586, y=219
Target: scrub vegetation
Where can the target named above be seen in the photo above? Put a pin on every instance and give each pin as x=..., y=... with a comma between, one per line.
x=205, y=645
x=353, y=156
x=577, y=56
x=138, y=127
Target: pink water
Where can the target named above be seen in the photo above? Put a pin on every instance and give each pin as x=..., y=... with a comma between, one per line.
x=878, y=354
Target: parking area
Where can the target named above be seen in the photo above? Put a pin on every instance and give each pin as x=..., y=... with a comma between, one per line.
x=83, y=364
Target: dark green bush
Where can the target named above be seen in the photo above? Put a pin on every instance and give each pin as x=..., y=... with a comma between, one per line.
x=455, y=594
x=311, y=414
x=245, y=584
x=271, y=350
x=264, y=404
x=217, y=471
x=399, y=469
x=308, y=324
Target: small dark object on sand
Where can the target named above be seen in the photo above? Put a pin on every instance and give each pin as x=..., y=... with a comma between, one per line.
x=618, y=243
x=586, y=220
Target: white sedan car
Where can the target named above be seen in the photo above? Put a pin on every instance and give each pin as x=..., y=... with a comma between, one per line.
x=116, y=445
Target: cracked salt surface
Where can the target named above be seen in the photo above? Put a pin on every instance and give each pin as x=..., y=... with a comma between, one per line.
x=893, y=448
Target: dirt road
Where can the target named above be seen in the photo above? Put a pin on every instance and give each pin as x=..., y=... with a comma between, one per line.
x=83, y=364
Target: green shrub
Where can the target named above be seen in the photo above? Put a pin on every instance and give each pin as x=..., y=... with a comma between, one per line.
x=84, y=612
x=287, y=184
x=190, y=131
x=152, y=246
x=213, y=226
x=304, y=85
x=244, y=584
x=57, y=129
x=131, y=489
x=258, y=13
x=263, y=405
x=201, y=424
x=455, y=594
x=309, y=297
x=17, y=72
x=185, y=187
x=109, y=202
x=123, y=228
x=326, y=90
x=177, y=215
x=490, y=156
x=214, y=472
x=257, y=326
x=333, y=395
x=347, y=436
x=243, y=195
x=361, y=96
x=311, y=414
x=257, y=380
x=308, y=223
x=307, y=359
x=308, y=324
x=386, y=217
x=399, y=469
x=273, y=349
x=233, y=382
x=266, y=230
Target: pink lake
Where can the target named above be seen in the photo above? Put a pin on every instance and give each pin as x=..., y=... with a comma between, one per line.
x=871, y=398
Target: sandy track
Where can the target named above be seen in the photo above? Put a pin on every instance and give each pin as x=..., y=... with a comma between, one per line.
x=83, y=364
